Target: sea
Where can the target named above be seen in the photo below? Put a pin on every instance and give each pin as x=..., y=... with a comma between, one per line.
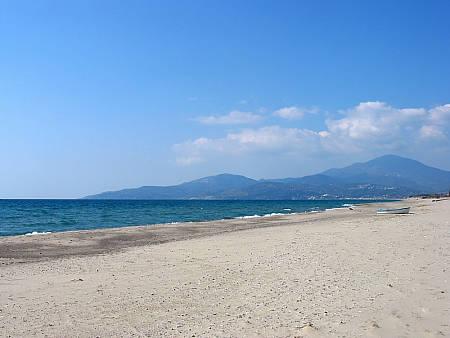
x=34, y=217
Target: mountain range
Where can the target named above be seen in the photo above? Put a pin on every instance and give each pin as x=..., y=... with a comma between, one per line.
x=388, y=176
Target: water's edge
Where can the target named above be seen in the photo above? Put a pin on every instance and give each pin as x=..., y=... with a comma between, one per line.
x=36, y=217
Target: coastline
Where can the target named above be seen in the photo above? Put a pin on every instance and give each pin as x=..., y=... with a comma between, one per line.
x=49, y=245
x=337, y=273
x=37, y=217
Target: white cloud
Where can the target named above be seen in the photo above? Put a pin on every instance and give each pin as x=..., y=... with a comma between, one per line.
x=234, y=117
x=272, y=138
x=265, y=139
x=190, y=152
x=374, y=120
x=440, y=115
x=290, y=113
x=430, y=131
x=379, y=124
x=378, y=127
x=369, y=128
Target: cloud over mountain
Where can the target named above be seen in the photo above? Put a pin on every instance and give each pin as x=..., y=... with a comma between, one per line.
x=369, y=127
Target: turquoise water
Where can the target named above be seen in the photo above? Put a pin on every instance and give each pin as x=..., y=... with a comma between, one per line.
x=19, y=217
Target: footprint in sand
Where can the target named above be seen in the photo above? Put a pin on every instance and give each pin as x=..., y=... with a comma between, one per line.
x=374, y=325
x=309, y=330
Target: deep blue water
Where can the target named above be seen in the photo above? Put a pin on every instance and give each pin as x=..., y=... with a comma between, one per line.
x=26, y=216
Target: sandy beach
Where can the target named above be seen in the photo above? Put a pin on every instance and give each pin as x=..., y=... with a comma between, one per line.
x=344, y=273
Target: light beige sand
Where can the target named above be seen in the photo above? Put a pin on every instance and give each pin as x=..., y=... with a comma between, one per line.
x=340, y=273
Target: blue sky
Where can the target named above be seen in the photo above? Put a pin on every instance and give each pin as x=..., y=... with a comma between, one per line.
x=101, y=95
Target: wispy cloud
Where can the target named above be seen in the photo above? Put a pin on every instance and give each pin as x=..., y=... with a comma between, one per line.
x=368, y=128
x=233, y=117
x=293, y=112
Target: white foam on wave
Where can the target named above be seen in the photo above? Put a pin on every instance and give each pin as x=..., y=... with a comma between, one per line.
x=273, y=214
x=258, y=216
x=34, y=233
x=265, y=215
x=246, y=217
x=331, y=209
x=287, y=209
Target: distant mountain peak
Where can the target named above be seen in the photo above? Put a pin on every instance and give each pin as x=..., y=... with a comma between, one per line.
x=395, y=170
x=393, y=159
x=224, y=178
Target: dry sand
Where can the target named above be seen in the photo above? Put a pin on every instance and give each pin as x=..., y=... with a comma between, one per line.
x=339, y=273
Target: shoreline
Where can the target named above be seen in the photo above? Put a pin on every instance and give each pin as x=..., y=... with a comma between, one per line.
x=53, y=245
x=248, y=216
x=181, y=223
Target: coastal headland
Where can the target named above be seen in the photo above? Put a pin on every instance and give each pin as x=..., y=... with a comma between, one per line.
x=336, y=273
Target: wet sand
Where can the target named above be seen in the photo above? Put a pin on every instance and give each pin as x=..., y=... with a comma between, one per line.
x=339, y=273
x=89, y=242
